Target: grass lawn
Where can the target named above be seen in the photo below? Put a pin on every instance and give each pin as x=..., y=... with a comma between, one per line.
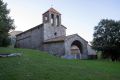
x=36, y=65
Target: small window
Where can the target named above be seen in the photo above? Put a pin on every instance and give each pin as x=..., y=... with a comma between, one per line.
x=55, y=33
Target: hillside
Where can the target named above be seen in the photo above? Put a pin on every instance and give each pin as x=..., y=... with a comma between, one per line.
x=36, y=65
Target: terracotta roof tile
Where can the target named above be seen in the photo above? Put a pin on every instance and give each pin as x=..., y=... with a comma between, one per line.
x=57, y=39
x=52, y=10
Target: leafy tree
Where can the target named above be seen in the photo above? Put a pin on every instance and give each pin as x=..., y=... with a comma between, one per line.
x=6, y=24
x=107, y=38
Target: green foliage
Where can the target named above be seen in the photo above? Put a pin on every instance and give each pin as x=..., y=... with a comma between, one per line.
x=107, y=38
x=6, y=24
x=36, y=65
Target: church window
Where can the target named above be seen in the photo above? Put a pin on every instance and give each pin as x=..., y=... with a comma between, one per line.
x=55, y=33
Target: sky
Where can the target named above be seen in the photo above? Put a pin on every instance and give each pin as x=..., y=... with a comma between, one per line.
x=79, y=16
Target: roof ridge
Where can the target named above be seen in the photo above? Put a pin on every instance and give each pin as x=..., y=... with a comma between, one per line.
x=52, y=10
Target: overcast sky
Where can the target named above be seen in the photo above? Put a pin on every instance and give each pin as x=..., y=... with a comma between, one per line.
x=79, y=16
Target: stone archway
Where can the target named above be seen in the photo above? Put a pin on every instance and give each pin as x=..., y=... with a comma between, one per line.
x=76, y=49
x=81, y=45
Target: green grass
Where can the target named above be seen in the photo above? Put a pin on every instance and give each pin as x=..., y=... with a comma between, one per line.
x=36, y=65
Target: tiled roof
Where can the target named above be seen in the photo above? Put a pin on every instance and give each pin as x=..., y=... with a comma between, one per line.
x=61, y=38
x=57, y=39
x=52, y=10
x=14, y=33
x=70, y=36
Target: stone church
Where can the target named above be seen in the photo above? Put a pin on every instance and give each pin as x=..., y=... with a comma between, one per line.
x=50, y=36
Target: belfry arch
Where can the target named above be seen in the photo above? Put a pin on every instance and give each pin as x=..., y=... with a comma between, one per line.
x=57, y=20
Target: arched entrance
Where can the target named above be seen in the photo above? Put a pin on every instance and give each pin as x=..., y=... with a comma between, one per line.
x=76, y=49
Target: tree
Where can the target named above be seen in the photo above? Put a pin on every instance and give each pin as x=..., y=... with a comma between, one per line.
x=6, y=24
x=107, y=38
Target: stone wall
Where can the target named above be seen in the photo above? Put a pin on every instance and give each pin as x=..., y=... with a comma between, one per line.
x=23, y=40
x=53, y=31
x=32, y=39
x=37, y=38
x=56, y=48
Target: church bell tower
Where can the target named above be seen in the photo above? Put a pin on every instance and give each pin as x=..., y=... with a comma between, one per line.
x=52, y=17
x=52, y=25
